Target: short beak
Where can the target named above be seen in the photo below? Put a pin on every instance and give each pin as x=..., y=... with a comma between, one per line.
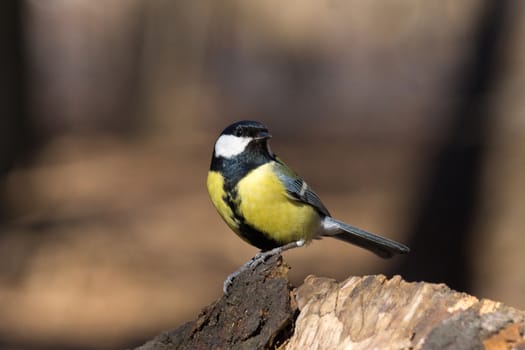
x=263, y=135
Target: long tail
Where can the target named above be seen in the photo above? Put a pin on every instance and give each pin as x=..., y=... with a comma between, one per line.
x=383, y=247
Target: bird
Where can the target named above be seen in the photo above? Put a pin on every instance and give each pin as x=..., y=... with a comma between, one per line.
x=269, y=205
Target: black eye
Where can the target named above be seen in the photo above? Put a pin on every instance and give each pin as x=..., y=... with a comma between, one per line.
x=238, y=131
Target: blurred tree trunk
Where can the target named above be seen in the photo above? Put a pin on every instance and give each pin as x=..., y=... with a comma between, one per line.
x=17, y=138
x=442, y=235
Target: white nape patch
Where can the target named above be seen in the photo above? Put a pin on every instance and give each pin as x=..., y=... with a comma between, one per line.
x=269, y=149
x=228, y=146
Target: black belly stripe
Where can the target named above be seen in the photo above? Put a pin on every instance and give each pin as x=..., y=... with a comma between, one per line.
x=233, y=170
x=257, y=238
x=249, y=233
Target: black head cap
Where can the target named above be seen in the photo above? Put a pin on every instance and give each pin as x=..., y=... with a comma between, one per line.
x=247, y=128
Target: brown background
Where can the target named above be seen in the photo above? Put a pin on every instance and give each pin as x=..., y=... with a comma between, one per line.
x=405, y=116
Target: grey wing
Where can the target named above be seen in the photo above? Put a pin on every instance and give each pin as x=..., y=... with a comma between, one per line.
x=298, y=190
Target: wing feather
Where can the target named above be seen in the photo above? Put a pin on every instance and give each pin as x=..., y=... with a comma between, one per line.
x=297, y=189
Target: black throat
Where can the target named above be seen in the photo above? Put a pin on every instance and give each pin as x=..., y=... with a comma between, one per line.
x=235, y=168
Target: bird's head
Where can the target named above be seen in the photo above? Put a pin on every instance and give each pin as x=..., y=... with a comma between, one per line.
x=243, y=136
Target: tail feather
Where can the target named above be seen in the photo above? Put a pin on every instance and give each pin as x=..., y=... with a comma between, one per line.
x=381, y=246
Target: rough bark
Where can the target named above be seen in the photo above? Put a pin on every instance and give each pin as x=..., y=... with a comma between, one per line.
x=262, y=311
x=257, y=313
x=374, y=312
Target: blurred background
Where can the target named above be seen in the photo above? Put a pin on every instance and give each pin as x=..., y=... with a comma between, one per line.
x=407, y=118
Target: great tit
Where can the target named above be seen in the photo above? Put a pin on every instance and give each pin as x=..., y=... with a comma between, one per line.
x=267, y=204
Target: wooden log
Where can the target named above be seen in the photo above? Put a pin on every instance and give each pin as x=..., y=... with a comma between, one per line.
x=263, y=311
x=257, y=313
x=374, y=312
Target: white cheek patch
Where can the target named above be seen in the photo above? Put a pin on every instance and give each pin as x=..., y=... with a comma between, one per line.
x=269, y=150
x=228, y=146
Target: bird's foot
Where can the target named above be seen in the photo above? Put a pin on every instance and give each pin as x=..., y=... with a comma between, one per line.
x=258, y=259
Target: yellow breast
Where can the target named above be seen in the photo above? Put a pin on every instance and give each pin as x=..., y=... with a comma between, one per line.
x=265, y=205
x=215, y=184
